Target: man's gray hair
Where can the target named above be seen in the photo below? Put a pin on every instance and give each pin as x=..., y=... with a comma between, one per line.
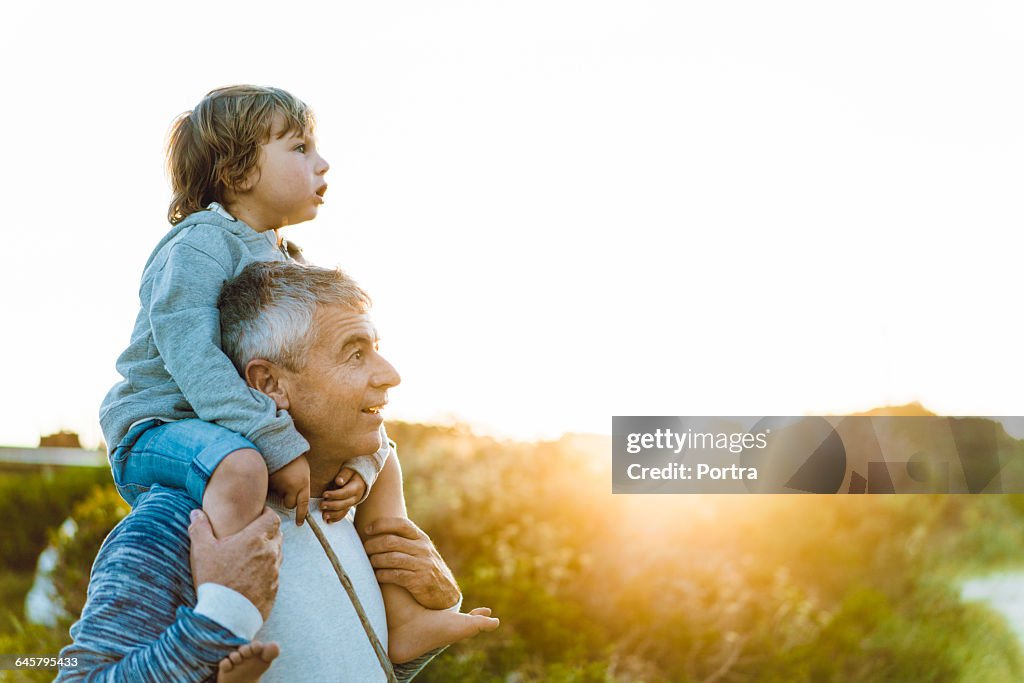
x=267, y=311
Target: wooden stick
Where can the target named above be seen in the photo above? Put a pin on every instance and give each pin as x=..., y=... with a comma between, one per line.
x=378, y=648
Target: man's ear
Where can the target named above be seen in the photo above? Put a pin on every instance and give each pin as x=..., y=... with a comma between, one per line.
x=268, y=378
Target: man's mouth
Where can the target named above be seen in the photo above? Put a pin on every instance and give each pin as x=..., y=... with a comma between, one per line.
x=374, y=410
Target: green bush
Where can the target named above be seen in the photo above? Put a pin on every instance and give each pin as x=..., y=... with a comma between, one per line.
x=94, y=518
x=17, y=637
x=593, y=587
x=39, y=500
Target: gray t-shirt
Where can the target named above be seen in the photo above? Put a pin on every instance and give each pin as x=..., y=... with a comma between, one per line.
x=313, y=620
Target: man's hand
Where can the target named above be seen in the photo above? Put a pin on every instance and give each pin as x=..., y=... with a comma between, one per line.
x=337, y=502
x=292, y=482
x=247, y=561
x=403, y=555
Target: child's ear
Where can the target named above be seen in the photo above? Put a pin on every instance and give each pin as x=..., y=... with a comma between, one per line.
x=233, y=190
x=244, y=186
x=266, y=377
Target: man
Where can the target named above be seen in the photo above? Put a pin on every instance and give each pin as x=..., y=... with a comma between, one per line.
x=146, y=620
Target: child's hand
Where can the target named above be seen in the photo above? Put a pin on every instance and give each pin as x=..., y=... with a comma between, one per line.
x=337, y=502
x=292, y=482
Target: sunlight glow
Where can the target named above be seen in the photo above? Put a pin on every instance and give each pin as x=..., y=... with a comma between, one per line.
x=564, y=211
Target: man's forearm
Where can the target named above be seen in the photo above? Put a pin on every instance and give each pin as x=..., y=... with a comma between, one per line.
x=133, y=627
x=188, y=650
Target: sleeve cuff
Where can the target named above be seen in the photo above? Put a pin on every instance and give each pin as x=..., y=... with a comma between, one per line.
x=279, y=444
x=365, y=467
x=230, y=609
x=456, y=607
x=386, y=446
x=369, y=466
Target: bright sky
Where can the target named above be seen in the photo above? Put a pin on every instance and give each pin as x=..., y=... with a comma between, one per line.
x=564, y=210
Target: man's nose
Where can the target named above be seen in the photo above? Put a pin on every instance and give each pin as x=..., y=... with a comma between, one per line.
x=386, y=375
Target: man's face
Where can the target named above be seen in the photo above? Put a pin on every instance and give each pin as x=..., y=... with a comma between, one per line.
x=336, y=399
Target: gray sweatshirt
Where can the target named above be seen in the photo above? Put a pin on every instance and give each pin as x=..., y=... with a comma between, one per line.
x=174, y=367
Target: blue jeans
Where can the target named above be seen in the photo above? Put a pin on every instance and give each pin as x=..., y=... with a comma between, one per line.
x=181, y=454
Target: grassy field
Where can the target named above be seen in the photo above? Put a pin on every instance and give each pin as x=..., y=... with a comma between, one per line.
x=595, y=587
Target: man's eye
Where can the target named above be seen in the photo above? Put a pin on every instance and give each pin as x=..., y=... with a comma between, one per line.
x=358, y=355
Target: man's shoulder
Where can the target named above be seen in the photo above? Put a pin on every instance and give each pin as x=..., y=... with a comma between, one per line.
x=159, y=519
x=146, y=557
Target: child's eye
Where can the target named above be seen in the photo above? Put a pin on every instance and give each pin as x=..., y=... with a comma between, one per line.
x=301, y=148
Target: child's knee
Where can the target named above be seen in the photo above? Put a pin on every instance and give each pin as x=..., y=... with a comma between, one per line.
x=236, y=492
x=244, y=469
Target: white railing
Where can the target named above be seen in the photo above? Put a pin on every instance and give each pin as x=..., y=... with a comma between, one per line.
x=67, y=457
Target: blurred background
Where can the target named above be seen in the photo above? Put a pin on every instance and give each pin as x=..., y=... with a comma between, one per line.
x=598, y=588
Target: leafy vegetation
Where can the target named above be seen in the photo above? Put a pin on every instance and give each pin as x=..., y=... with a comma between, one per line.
x=595, y=587
x=32, y=501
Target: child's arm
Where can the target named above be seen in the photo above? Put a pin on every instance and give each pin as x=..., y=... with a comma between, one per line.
x=337, y=502
x=354, y=480
x=388, y=499
x=185, y=321
x=292, y=482
x=369, y=466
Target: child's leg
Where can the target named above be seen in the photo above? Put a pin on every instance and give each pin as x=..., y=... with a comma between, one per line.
x=236, y=491
x=219, y=469
x=413, y=629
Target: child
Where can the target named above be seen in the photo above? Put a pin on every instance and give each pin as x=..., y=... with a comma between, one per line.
x=243, y=164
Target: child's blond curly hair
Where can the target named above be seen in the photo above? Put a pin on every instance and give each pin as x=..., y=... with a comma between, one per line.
x=216, y=146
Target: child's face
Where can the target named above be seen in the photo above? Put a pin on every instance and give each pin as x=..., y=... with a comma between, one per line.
x=288, y=185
